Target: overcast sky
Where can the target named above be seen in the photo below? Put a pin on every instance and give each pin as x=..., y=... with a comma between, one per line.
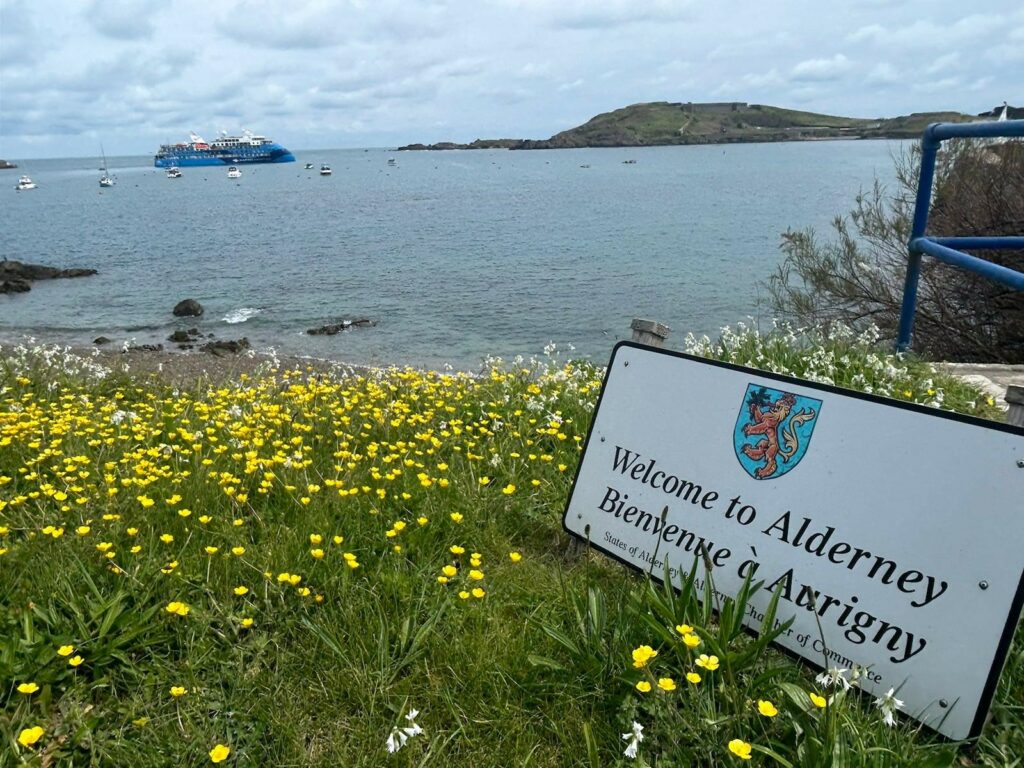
x=357, y=73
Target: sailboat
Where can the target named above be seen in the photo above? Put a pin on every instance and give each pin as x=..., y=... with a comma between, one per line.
x=106, y=180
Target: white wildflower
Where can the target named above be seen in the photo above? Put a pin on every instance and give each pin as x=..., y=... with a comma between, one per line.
x=634, y=737
x=833, y=677
x=400, y=735
x=888, y=704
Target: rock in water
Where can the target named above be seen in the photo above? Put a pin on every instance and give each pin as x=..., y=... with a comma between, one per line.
x=184, y=337
x=15, y=285
x=344, y=325
x=188, y=308
x=17, y=277
x=221, y=348
x=101, y=340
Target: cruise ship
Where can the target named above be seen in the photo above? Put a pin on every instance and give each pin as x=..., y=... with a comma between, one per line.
x=224, y=150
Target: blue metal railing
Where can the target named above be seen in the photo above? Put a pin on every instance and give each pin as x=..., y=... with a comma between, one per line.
x=947, y=249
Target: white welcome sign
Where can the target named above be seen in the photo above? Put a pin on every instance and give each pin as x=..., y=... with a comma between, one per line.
x=899, y=528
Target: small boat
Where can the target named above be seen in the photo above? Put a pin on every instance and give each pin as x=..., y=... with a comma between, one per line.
x=106, y=180
x=173, y=173
x=309, y=166
x=25, y=183
x=234, y=173
x=392, y=161
x=325, y=170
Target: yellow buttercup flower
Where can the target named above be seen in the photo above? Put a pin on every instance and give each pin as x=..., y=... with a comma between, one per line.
x=178, y=691
x=76, y=661
x=684, y=629
x=710, y=663
x=666, y=684
x=456, y=517
x=212, y=550
x=643, y=686
x=241, y=591
x=691, y=640
x=449, y=570
x=478, y=593
x=692, y=677
x=740, y=748
x=28, y=688
x=238, y=551
x=65, y=650
x=179, y=609
x=29, y=736
x=318, y=554
x=766, y=708
x=247, y=622
x=515, y=557
x=219, y=753
x=642, y=655
x=818, y=701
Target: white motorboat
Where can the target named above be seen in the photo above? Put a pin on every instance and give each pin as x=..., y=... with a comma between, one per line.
x=325, y=170
x=173, y=173
x=234, y=173
x=25, y=183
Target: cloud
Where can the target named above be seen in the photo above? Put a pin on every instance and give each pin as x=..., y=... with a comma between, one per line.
x=944, y=63
x=758, y=80
x=883, y=73
x=820, y=70
x=590, y=15
x=935, y=35
x=124, y=19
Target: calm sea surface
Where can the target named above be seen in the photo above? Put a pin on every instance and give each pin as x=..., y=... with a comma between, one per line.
x=456, y=255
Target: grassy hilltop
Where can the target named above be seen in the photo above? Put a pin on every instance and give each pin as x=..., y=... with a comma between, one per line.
x=663, y=123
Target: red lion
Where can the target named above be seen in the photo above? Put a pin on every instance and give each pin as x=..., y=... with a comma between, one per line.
x=770, y=422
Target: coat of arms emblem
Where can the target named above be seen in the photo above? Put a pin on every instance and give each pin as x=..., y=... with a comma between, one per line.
x=773, y=431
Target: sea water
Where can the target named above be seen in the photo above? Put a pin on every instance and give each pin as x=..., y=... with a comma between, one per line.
x=455, y=255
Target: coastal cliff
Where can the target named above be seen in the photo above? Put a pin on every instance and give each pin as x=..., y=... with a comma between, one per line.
x=665, y=123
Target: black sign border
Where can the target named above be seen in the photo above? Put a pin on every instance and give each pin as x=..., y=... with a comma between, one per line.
x=1017, y=604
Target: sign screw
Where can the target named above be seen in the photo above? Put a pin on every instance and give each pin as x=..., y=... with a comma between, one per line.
x=602, y=439
x=983, y=584
x=626, y=364
x=1020, y=463
x=943, y=703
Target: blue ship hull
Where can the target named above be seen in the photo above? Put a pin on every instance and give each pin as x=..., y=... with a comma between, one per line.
x=189, y=158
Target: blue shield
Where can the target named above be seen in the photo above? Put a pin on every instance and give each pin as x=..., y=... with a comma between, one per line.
x=773, y=430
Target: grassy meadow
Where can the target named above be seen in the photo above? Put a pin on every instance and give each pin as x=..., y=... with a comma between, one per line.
x=310, y=568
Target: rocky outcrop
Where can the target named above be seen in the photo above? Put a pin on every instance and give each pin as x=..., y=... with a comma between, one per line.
x=100, y=340
x=477, y=144
x=17, y=276
x=344, y=325
x=187, y=308
x=228, y=347
x=15, y=285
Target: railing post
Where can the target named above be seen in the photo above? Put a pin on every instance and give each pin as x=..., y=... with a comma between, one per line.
x=929, y=149
x=1015, y=399
x=649, y=332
